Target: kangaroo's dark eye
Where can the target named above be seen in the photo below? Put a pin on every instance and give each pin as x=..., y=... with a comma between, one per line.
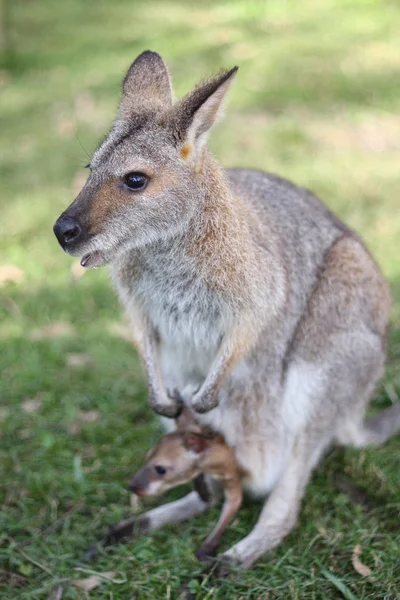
x=136, y=181
x=160, y=470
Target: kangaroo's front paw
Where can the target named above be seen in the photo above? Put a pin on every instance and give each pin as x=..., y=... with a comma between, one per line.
x=171, y=411
x=204, y=400
x=165, y=406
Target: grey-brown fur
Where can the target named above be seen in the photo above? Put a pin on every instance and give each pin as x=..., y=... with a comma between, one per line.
x=244, y=292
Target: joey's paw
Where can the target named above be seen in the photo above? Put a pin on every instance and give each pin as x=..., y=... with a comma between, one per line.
x=120, y=532
x=126, y=529
x=204, y=401
x=205, y=553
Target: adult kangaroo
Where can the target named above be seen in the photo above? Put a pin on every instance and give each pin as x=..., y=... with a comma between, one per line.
x=245, y=293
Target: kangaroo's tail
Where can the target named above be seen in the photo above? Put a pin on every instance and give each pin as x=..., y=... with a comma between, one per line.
x=378, y=429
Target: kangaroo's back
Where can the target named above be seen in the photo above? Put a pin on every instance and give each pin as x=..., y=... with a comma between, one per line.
x=304, y=227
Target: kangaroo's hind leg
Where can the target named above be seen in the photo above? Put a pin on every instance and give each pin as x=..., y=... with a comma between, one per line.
x=337, y=357
x=280, y=512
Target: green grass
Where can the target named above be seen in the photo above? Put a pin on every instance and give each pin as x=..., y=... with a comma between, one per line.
x=316, y=100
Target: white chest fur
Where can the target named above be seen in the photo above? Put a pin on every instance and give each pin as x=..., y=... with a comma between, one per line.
x=189, y=319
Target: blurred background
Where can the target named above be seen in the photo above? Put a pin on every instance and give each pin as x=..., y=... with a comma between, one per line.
x=316, y=100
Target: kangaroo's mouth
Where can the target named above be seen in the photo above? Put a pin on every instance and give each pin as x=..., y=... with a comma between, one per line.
x=92, y=260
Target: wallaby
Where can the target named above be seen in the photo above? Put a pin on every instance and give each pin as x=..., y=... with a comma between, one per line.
x=244, y=292
x=184, y=455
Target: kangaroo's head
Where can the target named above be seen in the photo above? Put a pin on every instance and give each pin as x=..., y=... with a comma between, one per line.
x=146, y=179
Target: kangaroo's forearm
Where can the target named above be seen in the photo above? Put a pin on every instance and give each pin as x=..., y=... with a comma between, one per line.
x=145, y=339
x=159, y=400
x=234, y=346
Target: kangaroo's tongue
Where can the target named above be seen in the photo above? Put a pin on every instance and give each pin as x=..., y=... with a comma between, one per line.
x=92, y=260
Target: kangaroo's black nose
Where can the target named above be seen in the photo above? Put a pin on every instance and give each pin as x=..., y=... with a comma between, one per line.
x=67, y=230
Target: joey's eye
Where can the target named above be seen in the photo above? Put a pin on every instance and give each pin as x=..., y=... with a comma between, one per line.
x=160, y=470
x=136, y=181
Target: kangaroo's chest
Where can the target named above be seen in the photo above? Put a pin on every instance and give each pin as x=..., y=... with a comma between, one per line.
x=187, y=315
x=177, y=301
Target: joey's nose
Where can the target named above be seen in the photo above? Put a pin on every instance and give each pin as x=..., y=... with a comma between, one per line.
x=137, y=485
x=67, y=230
x=133, y=486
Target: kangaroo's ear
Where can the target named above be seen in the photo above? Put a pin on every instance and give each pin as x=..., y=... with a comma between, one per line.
x=196, y=113
x=196, y=443
x=146, y=84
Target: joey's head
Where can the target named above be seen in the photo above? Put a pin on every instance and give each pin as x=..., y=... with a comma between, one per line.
x=175, y=460
x=146, y=179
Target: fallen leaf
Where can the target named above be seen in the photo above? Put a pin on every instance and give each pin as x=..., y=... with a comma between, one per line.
x=94, y=580
x=52, y=331
x=10, y=274
x=357, y=564
x=76, y=360
x=31, y=405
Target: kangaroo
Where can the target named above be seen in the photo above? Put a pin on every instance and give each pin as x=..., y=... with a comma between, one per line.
x=244, y=292
x=184, y=455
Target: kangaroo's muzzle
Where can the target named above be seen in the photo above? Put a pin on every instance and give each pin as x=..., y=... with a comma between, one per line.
x=68, y=231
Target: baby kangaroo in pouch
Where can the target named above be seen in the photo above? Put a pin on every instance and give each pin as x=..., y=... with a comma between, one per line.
x=184, y=455
x=244, y=292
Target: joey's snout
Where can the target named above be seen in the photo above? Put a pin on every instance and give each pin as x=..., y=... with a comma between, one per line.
x=139, y=483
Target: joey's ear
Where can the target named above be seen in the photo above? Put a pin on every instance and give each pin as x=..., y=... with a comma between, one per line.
x=196, y=113
x=146, y=84
x=196, y=443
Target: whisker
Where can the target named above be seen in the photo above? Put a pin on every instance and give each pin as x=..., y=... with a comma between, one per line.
x=82, y=146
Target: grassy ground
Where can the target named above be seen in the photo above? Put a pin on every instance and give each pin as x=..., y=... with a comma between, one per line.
x=316, y=100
